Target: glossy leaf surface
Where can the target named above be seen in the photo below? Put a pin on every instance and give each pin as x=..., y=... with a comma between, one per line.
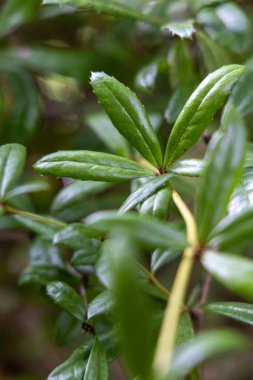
x=182, y=29
x=127, y=115
x=200, y=109
x=96, y=368
x=12, y=161
x=232, y=271
x=67, y=298
x=239, y=311
x=87, y=165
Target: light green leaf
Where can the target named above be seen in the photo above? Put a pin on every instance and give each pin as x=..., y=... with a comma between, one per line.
x=185, y=330
x=104, y=129
x=32, y=187
x=87, y=165
x=144, y=192
x=162, y=257
x=146, y=77
x=110, y=7
x=190, y=168
x=199, y=110
x=182, y=29
x=223, y=169
x=134, y=312
x=205, y=346
x=15, y=13
x=67, y=298
x=233, y=230
x=214, y=55
x=228, y=24
x=12, y=161
x=149, y=231
x=234, y=272
x=242, y=197
x=96, y=368
x=127, y=115
x=239, y=311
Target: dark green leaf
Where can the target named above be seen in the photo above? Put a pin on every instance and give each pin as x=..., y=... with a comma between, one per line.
x=145, y=191
x=23, y=120
x=76, y=236
x=182, y=29
x=223, y=168
x=67, y=298
x=96, y=368
x=228, y=24
x=180, y=64
x=161, y=257
x=71, y=202
x=146, y=77
x=190, y=168
x=12, y=161
x=199, y=110
x=73, y=368
x=85, y=256
x=44, y=274
x=233, y=230
x=43, y=252
x=31, y=187
x=205, y=346
x=15, y=13
x=46, y=231
x=127, y=115
x=87, y=165
x=149, y=231
x=242, y=196
x=110, y=7
x=214, y=55
x=104, y=129
x=67, y=329
x=239, y=311
x=232, y=271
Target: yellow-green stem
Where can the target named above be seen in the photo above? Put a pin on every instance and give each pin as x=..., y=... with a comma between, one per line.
x=167, y=337
x=30, y=215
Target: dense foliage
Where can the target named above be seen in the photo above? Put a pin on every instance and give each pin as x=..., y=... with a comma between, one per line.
x=136, y=220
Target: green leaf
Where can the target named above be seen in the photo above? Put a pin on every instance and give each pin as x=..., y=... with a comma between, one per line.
x=146, y=77
x=46, y=231
x=96, y=368
x=95, y=166
x=214, y=55
x=67, y=298
x=242, y=196
x=181, y=67
x=182, y=29
x=85, y=256
x=233, y=230
x=234, y=272
x=239, y=311
x=71, y=202
x=104, y=129
x=32, y=187
x=110, y=7
x=23, y=120
x=100, y=305
x=199, y=110
x=223, y=169
x=15, y=13
x=178, y=99
x=47, y=59
x=205, y=346
x=73, y=368
x=228, y=24
x=190, y=168
x=145, y=191
x=149, y=231
x=185, y=330
x=12, y=161
x=43, y=252
x=67, y=328
x=76, y=235
x=127, y=115
x=242, y=96
x=134, y=312
x=44, y=274
x=162, y=257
